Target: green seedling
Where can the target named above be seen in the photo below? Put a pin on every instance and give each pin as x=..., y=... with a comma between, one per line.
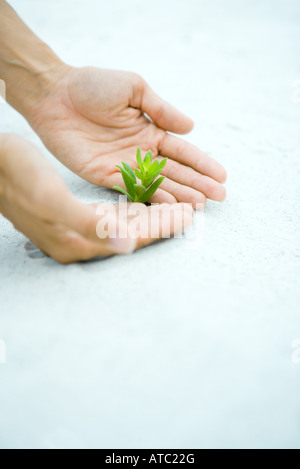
x=146, y=172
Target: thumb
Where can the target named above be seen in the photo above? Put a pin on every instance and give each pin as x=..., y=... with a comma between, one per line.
x=102, y=226
x=163, y=114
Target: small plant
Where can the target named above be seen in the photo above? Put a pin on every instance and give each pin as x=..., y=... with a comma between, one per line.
x=147, y=172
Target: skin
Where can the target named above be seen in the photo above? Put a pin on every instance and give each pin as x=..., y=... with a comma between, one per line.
x=91, y=119
x=36, y=200
x=97, y=117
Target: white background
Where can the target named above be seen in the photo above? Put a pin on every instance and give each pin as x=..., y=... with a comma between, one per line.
x=177, y=345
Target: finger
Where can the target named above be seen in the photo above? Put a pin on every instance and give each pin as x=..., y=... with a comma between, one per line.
x=61, y=243
x=74, y=247
x=183, y=193
x=160, y=197
x=168, y=219
x=163, y=114
x=164, y=221
x=190, y=178
x=189, y=155
x=103, y=208
x=103, y=227
x=170, y=192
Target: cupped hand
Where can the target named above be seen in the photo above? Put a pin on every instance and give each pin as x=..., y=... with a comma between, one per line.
x=92, y=119
x=35, y=199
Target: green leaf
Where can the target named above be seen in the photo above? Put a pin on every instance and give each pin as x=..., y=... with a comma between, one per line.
x=128, y=181
x=149, y=192
x=117, y=188
x=160, y=168
x=153, y=168
x=148, y=159
x=163, y=164
x=129, y=170
x=147, y=181
x=139, y=157
x=139, y=189
x=147, y=172
x=138, y=173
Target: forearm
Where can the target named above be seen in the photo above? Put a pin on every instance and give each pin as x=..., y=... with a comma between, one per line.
x=7, y=159
x=24, y=177
x=27, y=65
x=9, y=165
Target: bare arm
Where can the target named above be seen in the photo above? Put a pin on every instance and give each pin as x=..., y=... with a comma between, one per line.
x=38, y=203
x=91, y=118
x=27, y=65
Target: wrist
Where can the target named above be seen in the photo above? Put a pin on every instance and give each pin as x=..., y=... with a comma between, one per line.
x=28, y=66
x=42, y=81
x=31, y=78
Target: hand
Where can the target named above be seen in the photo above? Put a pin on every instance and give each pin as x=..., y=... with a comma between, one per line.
x=35, y=199
x=92, y=119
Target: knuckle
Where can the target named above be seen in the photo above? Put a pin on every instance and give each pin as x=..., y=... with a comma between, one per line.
x=161, y=138
x=194, y=182
x=172, y=171
x=180, y=147
x=138, y=81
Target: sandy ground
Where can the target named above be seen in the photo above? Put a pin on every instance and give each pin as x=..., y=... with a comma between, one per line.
x=181, y=344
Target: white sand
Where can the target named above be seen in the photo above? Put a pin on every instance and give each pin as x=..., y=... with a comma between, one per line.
x=173, y=346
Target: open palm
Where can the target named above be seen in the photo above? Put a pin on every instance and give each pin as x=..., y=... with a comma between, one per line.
x=93, y=119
